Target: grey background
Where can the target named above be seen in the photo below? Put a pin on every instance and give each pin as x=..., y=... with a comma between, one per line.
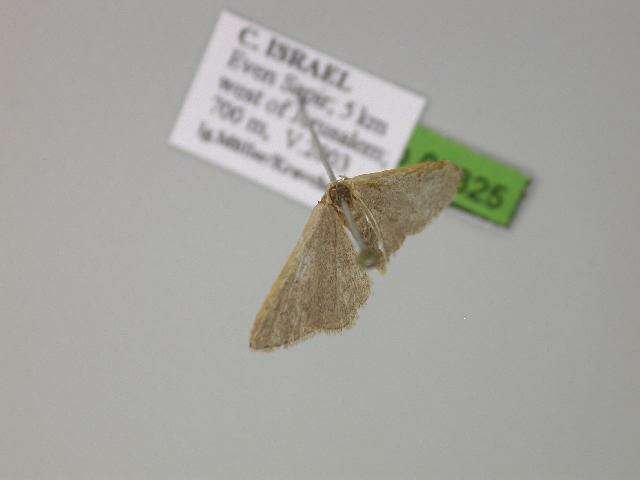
x=130, y=272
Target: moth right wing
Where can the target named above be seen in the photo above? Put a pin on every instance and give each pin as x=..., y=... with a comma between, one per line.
x=392, y=204
x=321, y=286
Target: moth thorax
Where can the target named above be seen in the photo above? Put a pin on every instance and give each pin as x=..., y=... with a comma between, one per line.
x=338, y=192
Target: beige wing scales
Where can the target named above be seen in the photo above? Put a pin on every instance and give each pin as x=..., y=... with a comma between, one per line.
x=392, y=204
x=319, y=288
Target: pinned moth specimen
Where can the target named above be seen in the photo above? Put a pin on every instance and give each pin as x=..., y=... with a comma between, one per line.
x=324, y=281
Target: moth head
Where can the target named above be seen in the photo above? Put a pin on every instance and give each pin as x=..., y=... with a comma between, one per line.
x=339, y=191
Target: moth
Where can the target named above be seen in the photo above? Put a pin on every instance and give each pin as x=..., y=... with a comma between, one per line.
x=324, y=281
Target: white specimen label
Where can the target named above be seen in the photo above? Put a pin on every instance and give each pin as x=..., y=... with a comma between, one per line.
x=242, y=112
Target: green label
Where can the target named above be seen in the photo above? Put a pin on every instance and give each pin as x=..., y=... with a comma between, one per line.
x=488, y=189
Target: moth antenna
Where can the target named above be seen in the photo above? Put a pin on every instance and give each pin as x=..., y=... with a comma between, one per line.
x=367, y=257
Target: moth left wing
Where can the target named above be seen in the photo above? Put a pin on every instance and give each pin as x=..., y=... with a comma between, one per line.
x=392, y=204
x=320, y=287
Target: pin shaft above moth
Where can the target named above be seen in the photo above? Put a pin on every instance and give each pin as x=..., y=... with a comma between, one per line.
x=324, y=281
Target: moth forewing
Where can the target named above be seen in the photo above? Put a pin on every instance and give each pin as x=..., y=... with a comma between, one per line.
x=392, y=204
x=319, y=288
